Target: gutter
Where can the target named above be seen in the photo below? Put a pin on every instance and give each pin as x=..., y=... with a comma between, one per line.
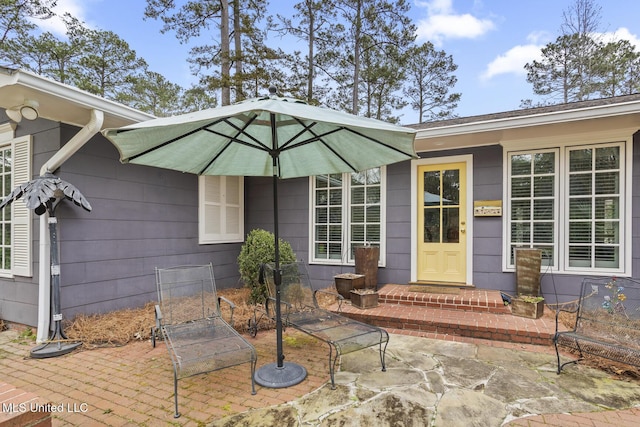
x=44, y=290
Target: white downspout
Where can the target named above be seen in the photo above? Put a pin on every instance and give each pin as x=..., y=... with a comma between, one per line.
x=61, y=156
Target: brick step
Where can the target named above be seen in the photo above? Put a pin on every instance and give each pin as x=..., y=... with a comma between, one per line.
x=477, y=300
x=473, y=313
x=19, y=408
x=443, y=322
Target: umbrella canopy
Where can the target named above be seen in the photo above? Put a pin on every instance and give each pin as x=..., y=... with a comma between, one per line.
x=269, y=136
x=244, y=139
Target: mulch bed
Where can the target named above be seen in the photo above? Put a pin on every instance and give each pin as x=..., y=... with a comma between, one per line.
x=117, y=328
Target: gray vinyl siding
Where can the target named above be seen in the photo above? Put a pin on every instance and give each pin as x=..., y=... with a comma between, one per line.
x=19, y=295
x=398, y=256
x=142, y=218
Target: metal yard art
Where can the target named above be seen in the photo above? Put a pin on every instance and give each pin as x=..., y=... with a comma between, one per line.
x=41, y=195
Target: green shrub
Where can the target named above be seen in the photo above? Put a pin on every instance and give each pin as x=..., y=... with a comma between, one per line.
x=259, y=248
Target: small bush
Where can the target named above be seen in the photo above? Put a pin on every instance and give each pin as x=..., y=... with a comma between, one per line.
x=259, y=248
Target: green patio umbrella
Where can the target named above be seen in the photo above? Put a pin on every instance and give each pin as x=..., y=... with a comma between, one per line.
x=267, y=136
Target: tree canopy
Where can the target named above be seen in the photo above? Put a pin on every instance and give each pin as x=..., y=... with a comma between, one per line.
x=357, y=56
x=580, y=64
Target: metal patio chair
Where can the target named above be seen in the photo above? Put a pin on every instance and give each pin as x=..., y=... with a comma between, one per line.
x=189, y=319
x=301, y=311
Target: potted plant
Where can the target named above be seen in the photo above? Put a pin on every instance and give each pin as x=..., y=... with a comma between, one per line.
x=527, y=306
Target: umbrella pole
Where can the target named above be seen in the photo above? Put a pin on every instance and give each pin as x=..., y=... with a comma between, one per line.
x=280, y=374
x=277, y=276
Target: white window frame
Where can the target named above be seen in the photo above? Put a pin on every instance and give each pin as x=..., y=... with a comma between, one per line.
x=556, y=208
x=623, y=137
x=346, y=258
x=622, y=204
x=224, y=204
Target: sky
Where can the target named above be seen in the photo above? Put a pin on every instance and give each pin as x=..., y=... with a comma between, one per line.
x=489, y=40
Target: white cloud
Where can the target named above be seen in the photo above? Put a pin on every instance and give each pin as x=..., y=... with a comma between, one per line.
x=443, y=23
x=55, y=25
x=513, y=61
x=622, y=33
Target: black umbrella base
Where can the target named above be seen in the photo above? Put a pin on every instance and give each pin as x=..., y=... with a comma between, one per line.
x=53, y=349
x=287, y=375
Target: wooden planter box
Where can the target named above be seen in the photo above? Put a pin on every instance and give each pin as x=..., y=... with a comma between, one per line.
x=364, y=299
x=367, y=263
x=528, y=263
x=532, y=310
x=345, y=283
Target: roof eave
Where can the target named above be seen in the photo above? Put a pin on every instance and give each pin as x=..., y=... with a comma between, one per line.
x=26, y=79
x=538, y=119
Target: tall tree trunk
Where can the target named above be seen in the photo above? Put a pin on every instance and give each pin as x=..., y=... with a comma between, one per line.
x=237, y=42
x=225, y=67
x=312, y=41
x=356, y=57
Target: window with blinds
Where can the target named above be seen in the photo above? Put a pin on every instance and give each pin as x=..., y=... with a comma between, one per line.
x=347, y=211
x=569, y=203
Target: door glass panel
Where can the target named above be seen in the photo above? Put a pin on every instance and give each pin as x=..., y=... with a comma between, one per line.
x=432, y=188
x=450, y=221
x=442, y=199
x=451, y=187
x=432, y=225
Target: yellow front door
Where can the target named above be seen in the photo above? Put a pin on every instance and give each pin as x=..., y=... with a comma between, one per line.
x=442, y=238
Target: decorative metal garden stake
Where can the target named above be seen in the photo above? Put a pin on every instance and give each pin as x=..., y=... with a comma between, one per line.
x=43, y=194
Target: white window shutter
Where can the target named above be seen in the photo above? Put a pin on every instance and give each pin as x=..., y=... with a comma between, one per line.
x=221, y=209
x=21, y=220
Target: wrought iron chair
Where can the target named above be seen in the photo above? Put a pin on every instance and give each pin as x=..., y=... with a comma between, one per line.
x=302, y=312
x=189, y=319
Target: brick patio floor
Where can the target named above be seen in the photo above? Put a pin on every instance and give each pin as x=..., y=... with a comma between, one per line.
x=133, y=385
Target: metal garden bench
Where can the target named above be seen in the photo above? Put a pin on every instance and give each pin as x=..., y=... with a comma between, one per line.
x=607, y=322
x=302, y=312
x=189, y=319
